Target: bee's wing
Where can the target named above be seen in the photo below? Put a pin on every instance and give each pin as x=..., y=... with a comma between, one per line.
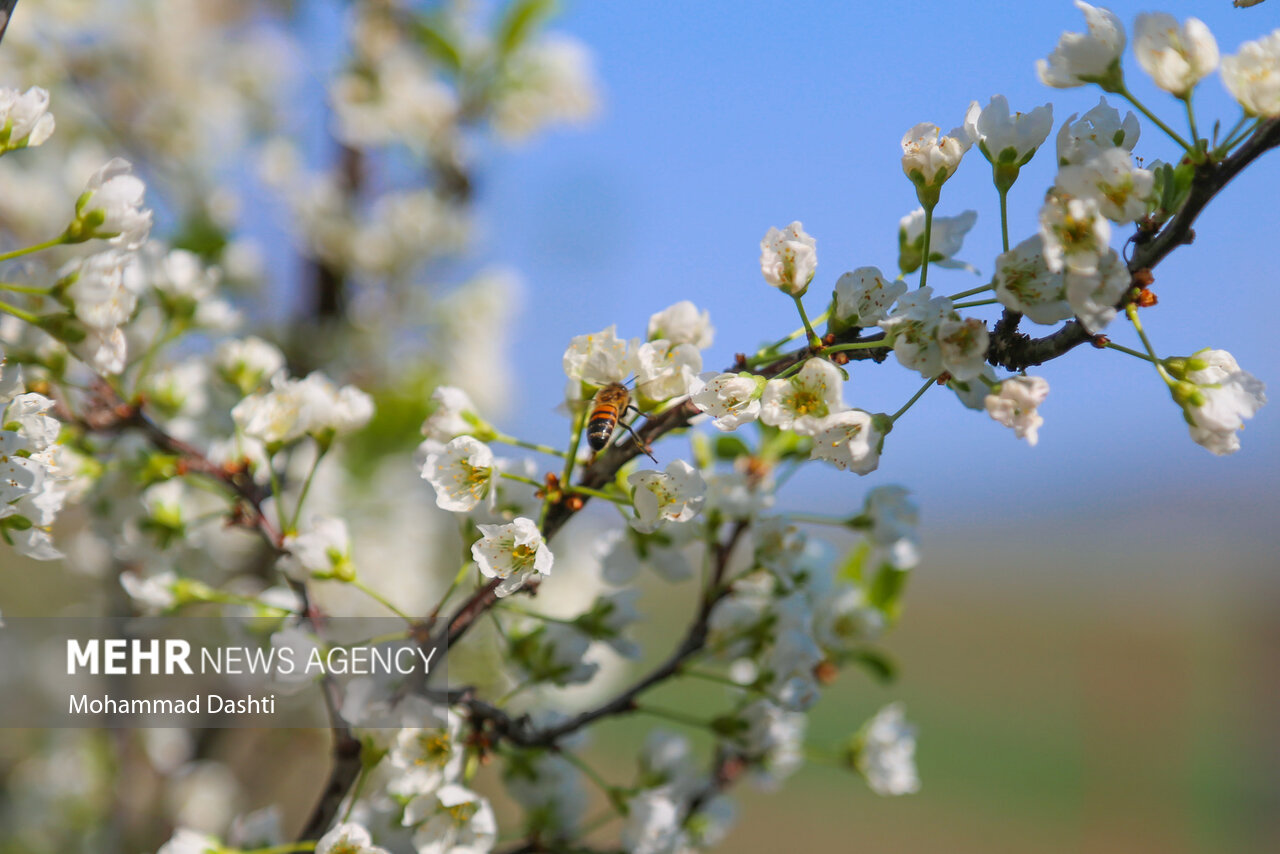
x=6, y=10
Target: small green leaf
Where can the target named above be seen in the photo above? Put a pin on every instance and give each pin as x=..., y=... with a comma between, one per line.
x=437, y=43
x=522, y=18
x=731, y=448
x=877, y=663
x=887, y=589
x=854, y=563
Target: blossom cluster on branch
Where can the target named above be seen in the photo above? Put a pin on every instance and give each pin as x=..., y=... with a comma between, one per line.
x=209, y=458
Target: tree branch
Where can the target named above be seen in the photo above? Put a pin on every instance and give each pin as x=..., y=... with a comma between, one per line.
x=517, y=730
x=1016, y=352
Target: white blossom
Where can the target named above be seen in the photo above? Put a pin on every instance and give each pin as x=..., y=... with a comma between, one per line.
x=1024, y=283
x=863, y=297
x=946, y=238
x=789, y=258
x=547, y=80
x=962, y=343
x=733, y=619
x=454, y=415
x=551, y=791
x=462, y=474
x=730, y=399
x=653, y=823
x=1005, y=138
x=683, y=323
x=913, y=327
x=104, y=350
x=1074, y=232
x=928, y=159
x=10, y=380
x=293, y=408
x=845, y=620
x=322, y=549
x=295, y=643
x=1216, y=395
x=600, y=358
x=850, y=439
x=348, y=839
x=1176, y=57
x=675, y=495
x=179, y=389
x=799, y=402
x=25, y=120
x=791, y=662
x=667, y=759
x=709, y=826
x=1014, y=404
x=429, y=757
x=99, y=291
x=555, y=653
x=780, y=546
x=247, y=362
x=665, y=369
x=111, y=207
x=178, y=275
x=610, y=616
x=1081, y=58
x=662, y=552
x=514, y=553
x=155, y=593
x=452, y=820
x=1098, y=130
x=25, y=414
x=1110, y=179
x=1093, y=296
x=972, y=394
x=1252, y=75
x=188, y=841
x=744, y=492
x=394, y=98
x=887, y=753
x=893, y=532
x=776, y=737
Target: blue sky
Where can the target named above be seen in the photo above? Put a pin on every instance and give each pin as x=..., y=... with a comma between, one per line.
x=722, y=119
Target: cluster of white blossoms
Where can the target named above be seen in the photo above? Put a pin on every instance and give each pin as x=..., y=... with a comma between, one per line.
x=37, y=474
x=1216, y=395
x=1176, y=56
x=25, y=120
x=665, y=364
x=293, y=408
x=96, y=290
x=468, y=478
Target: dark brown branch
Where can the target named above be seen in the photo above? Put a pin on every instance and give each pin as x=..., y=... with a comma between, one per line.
x=517, y=730
x=107, y=413
x=1015, y=351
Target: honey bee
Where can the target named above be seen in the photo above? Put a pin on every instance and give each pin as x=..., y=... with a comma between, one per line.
x=607, y=408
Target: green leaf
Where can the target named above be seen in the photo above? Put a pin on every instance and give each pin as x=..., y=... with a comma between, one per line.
x=877, y=663
x=854, y=564
x=437, y=43
x=731, y=448
x=201, y=236
x=521, y=19
x=887, y=589
x=158, y=467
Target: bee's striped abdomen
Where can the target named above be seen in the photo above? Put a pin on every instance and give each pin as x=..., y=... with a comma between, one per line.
x=603, y=419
